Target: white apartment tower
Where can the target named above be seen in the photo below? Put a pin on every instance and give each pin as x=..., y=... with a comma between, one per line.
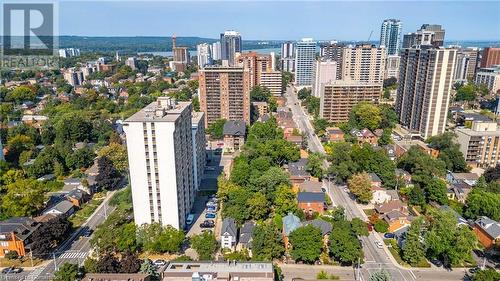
x=160, y=156
x=325, y=71
x=390, y=35
x=288, y=57
x=364, y=63
x=204, y=55
x=305, y=53
x=216, y=50
x=199, y=142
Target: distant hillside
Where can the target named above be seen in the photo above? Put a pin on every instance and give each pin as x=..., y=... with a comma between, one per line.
x=146, y=44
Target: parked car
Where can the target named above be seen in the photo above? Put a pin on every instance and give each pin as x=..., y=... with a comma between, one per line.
x=207, y=224
x=212, y=209
x=210, y=215
x=389, y=235
x=437, y=262
x=190, y=219
x=6, y=270
x=16, y=270
x=474, y=269
x=379, y=244
x=159, y=262
x=370, y=226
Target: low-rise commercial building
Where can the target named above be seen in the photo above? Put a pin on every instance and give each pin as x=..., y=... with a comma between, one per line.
x=217, y=271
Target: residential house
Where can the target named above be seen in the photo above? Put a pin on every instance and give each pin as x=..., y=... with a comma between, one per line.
x=284, y=119
x=64, y=209
x=397, y=220
x=393, y=205
x=245, y=239
x=324, y=226
x=117, y=277
x=468, y=178
x=403, y=178
x=295, y=139
x=77, y=197
x=334, y=134
x=228, y=234
x=401, y=147
x=381, y=195
x=460, y=220
x=311, y=186
x=290, y=223
x=364, y=136
x=311, y=202
x=458, y=191
x=375, y=181
x=234, y=135
x=487, y=232
x=15, y=235
x=391, y=151
x=378, y=133
x=72, y=183
x=298, y=171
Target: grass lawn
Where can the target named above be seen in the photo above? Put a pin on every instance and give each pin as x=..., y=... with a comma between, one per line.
x=368, y=212
x=21, y=262
x=84, y=213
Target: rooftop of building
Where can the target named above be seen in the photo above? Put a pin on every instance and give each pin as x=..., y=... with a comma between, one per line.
x=211, y=266
x=311, y=197
x=21, y=226
x=489, y=226
x=196, y=117
x=235, y=128
x=164, y=109
x=353, y=83
x=218, y=68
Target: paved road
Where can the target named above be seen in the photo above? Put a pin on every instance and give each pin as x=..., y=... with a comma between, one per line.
x=375, y=258
x=76, y=249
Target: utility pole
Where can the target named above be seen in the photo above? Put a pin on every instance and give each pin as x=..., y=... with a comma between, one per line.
x=31, y=258
x=55, y=261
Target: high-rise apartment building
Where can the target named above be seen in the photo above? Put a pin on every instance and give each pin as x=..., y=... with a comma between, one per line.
x=390, y=35
x=225, y=93
x=490, y=56
x=325, y=71
x=424, y=86
x=131, y=62
x=199, y=143
x=305, y=53
x=273, y=81
x=216, y=51
x=480, y=144
x=181, y=56
x=73, y=76
x=489, y=76
x=160, y=154
x=428, y=34
x=288, y=56
x=467, y=62
x=204, y=54
x=333, y=51
x=364, y=62
x=256, y=65
x=230, y=42
x=392, y=66
x=338, y=98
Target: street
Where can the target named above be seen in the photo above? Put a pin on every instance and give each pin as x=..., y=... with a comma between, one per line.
x=375, y=258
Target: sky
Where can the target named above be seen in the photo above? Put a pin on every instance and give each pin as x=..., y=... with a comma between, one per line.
x=279, y=20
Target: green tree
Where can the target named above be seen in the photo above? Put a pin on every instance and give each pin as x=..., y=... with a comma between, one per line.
x=117, y=153
x=482, y=203
x=380, y=275
x=381, y=226
x=236, y=205
x=359, y=227
x=414, y=251
x=258, y=206
x=365, y=115
x=216, y=129
x=196, y=104
x=16, y=145
x=260, y=93
x=269, y=182
x=159, y=239
x=267, y=242
x=148, y=268
x=204, y=244
x=67, y=272
x=304, y=93
x=360, y=185
x=315, y=164
x=386, y=137
x=285, y=201
x=344, y=245
x=486, y=275
x=417, y=196
x=21, y=94
x=449, y=151
x=23, y=198
x=307, y=243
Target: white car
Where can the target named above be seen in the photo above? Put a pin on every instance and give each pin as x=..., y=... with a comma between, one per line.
x=379, y=244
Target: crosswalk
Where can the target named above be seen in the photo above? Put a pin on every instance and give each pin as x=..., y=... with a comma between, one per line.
x=73, y=255
x=33, y=275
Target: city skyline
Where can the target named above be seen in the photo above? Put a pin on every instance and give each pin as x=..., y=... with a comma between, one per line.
x=315, y=20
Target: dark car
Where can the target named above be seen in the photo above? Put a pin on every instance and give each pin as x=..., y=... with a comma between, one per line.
x=207, y=224
x=474, y=269
x=389, y=235
x=6, y=270
x=16, y=270
x=437, y=262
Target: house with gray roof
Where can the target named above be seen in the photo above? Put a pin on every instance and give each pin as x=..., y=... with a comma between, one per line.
x=245, y=238
x=228, y=234
x=15, y=235
x=324, y=226
x=487, y=232
x=64, y=209
x=298, y=171
x=234, y=135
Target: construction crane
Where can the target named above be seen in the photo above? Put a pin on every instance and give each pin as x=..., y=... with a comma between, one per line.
x=370, y=37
